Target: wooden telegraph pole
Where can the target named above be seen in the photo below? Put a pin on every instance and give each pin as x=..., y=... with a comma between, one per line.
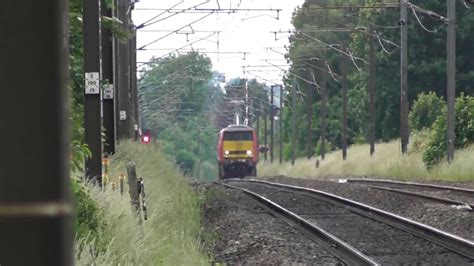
x=35, y=205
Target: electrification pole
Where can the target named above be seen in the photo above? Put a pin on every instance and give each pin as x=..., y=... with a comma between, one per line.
x=272, y=123
x=309, y=121
x=323, y=113
x=404, y=135
x=293, y=122
x=451, y=77
x=372, y=89
x=92, y=117
x=265, y=131
x=247, y=115
x=258, y=121
x=280, y=120
x=344, y=102
x=123, y=76
x=35, y=205
x=108, y=94
x=133, y=84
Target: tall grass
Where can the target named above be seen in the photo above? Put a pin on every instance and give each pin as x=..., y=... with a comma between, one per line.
x=171, y=233
x=387, y=161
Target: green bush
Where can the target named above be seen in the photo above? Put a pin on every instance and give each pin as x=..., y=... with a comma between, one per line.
x=186, y=160
x=464, y=130
x=426, y=110
x=88, y=221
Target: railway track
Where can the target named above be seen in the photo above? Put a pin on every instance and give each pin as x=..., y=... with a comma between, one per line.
x=357, y=233
x=442, y=194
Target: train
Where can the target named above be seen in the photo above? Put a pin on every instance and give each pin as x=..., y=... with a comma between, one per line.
x=237, y=152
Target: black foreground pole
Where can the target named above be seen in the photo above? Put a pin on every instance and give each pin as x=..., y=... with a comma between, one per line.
x=92, y=119
x=35, y=207
x=108, y=75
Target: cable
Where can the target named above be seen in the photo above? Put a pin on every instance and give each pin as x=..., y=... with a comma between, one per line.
x=330, y=72
x=295, y=75
x=157, y=16
x=383, y=47
x=160, y=38
x=468, y=6
x=421, y=24
x=353, y=60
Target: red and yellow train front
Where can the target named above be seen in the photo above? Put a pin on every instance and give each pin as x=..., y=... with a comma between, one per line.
x=237, y=152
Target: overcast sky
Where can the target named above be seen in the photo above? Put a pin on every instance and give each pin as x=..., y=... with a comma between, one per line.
x=244, y=31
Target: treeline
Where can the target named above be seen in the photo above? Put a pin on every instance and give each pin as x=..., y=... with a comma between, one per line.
x=315, y=54
x=176, y=103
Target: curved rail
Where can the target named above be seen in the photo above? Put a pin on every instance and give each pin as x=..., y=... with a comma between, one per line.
x=413, y=184
x=339, y=248
x=453, y=242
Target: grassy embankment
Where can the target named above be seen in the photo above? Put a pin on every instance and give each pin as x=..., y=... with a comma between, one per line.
x=387, y=161
x=170, y=236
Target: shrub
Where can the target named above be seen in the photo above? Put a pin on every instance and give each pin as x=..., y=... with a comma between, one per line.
x=186, y=160
x=426, y=110
x=464, y=130
x=88, y=221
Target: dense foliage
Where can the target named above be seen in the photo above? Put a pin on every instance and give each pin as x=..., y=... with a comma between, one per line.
x=88, y=222
x=464, y=130
x=175, y=105
x=313, y=50
x=426, y=110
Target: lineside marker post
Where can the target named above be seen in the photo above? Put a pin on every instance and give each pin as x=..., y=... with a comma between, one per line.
x=35, y=204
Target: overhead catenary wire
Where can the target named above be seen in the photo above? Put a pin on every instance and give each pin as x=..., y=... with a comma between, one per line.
x=159, y=15
x=162, y=37
x=170, y=16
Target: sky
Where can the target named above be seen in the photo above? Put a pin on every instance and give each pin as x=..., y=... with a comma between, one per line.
x=248, y=32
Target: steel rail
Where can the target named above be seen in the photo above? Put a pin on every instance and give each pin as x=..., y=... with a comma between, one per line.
x=450, y=241
x=383, y=181
x=334, y=245
x=433, y=198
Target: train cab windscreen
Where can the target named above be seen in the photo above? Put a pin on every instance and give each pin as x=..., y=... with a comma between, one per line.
x=238, y=136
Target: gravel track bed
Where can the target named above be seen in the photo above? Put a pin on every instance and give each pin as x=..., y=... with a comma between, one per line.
x=442, y=216
x=244, y=233
x=385, y=244
x=448, y=194
x=469, y=184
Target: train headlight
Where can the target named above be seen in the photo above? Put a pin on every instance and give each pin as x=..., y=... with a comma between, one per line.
x=249, y=153
x=226, y=152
